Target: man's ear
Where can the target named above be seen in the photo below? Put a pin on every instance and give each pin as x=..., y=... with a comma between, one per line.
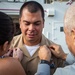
x=5, y=46
x=73, y=34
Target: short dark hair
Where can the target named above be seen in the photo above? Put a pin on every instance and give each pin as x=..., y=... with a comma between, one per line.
x=32, y=7
x=6, y=28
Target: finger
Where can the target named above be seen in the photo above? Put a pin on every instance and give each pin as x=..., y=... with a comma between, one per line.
x=10, y=49
x=53, y=51
x=10, y=52
x=54, y=45
x=52, y=48
x=19, y=51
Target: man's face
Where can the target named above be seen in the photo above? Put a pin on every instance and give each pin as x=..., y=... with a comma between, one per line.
x=69, y=40
x=31, y=25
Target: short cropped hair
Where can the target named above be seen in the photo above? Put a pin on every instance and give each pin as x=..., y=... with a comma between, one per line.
x=32, y=7
x=6, y=28
x=69, y=18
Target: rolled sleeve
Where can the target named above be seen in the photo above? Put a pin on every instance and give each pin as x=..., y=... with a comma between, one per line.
x=68, y=70
x=70, y=59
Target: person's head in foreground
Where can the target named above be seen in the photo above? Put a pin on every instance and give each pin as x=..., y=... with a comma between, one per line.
x=6, y=32
x=69, y=28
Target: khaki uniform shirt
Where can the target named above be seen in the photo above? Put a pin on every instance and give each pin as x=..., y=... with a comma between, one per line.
x=30, y=63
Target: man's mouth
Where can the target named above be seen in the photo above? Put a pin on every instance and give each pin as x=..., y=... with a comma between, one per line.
x=31, y=35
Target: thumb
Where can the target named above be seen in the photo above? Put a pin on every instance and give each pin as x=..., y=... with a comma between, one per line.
x=52, y=50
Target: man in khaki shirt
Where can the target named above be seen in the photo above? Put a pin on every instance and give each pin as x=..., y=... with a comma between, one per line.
x=31, y=24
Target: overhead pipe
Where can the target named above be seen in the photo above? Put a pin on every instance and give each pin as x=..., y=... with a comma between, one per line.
x=10, y=9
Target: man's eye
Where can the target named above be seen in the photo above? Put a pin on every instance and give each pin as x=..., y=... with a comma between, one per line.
x=37, y=23
x=27, y=23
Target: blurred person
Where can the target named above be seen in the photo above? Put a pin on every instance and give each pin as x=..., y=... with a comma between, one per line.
x=8, y=65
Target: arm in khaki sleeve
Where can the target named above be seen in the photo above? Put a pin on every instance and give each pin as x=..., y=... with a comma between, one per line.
x=70, y=59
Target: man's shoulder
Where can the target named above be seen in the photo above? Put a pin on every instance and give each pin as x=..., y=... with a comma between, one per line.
x=16, y=41
x=46, y=40
x=17, y=36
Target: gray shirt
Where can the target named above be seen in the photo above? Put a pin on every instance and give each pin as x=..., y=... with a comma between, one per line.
x=44, y=69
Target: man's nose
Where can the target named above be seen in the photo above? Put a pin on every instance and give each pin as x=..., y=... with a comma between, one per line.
x=31, y=27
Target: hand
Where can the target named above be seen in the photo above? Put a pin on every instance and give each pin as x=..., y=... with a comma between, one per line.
x=17, y=53
x=57, y=51
x=44, y=53
x=9, y=53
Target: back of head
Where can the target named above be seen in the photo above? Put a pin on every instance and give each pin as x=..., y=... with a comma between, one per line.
x=69, y=19
x=32, y=7
x=6, y=28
